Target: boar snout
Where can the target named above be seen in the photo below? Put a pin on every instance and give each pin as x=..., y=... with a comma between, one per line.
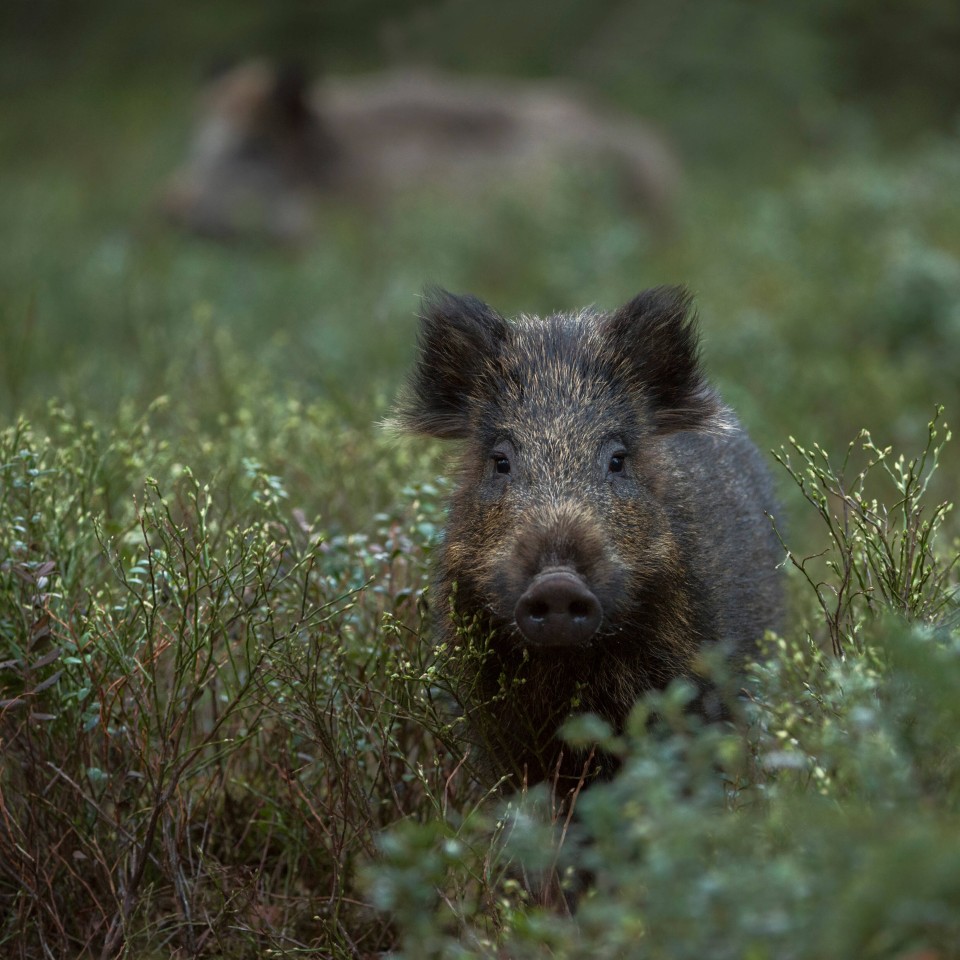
x=558, y=609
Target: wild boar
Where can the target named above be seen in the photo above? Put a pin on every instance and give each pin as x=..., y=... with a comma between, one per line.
x=266, y=146
x=609, y=519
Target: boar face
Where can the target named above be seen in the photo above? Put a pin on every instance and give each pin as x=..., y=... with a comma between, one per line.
x=558, y=529
x=257, y=151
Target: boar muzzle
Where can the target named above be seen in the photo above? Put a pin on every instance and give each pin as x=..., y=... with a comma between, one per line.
x=558, y=609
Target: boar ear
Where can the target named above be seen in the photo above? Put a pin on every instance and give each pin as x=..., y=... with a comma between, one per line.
x=458, y=336
x=290, y=95
x=656, y=333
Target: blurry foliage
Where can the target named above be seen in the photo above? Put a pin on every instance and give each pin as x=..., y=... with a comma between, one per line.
x=736, y=82
x=898, y=57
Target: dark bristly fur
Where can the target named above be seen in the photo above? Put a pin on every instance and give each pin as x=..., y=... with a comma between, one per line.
x=593, y=446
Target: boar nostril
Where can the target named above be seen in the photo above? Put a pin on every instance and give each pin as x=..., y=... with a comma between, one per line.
x=538, y=610
x=580, y=610
x=558, y=609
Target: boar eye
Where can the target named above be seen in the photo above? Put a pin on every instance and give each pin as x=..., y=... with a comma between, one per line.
x=616, y=463
x=501, y=464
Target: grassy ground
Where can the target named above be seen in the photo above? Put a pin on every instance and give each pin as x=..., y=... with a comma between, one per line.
x=222, y=733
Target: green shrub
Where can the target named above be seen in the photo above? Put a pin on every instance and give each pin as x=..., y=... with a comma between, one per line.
x=205, y=714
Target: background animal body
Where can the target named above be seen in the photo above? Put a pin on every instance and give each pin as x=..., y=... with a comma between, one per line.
x=610, y=518
x=264, y=146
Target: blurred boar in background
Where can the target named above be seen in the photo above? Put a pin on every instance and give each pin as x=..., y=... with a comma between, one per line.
x=608, y=523
x=265, y=146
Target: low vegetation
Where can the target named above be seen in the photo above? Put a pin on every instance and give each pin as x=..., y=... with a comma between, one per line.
x=224, y=734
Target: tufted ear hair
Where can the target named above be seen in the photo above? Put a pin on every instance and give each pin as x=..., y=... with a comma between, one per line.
x=655, y=341
x=290, y=95
x=458, y=337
